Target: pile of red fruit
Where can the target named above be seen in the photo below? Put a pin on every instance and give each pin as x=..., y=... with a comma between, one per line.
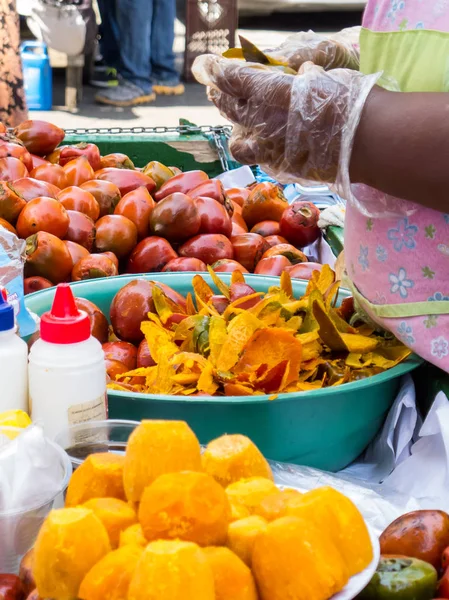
x=85, y=216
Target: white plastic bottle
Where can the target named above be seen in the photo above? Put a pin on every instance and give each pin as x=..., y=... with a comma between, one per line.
x=13, y=362
x=67, y=371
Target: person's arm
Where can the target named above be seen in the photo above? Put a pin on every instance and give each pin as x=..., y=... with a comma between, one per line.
x=401, y=146
x=319, y=124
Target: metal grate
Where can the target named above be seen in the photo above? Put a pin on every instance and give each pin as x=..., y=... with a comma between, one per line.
x=218, y=136
x=180, y=129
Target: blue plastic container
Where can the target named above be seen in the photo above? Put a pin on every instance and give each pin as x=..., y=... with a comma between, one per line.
x=37, y=75
x=326, y=429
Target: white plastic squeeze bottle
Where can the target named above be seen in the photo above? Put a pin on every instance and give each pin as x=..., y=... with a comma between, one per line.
x=67, y=371
x=13, y=362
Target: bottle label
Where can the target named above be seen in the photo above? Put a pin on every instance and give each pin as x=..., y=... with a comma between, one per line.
x=95, y=410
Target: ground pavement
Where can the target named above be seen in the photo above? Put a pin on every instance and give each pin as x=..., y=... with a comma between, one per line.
x=166, y=111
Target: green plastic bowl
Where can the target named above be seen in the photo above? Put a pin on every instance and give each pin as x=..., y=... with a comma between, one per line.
x=326, y=429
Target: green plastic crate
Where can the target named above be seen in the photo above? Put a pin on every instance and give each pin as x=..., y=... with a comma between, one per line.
x=187, y=148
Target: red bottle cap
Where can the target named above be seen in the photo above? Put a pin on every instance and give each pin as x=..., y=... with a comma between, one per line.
x=64, y=324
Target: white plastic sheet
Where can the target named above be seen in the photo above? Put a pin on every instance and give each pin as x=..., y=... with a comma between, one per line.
x=33, y=473
x=239, y=178
x=425, y=473
x=393, y=443
x=405, y=468
x=30, y=470
x=379, y=504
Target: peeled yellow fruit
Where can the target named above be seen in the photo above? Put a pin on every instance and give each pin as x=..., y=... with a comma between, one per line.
x=109, y=579
x=293, y=559
x=71, y=541
x=339, y=515
x=100, y=476
x=172, y=570
x=155, y=448
x=238, y=511
x=242, y=536
x=230, y=458
x=249, y=493
x=13, y=418
x=275, y=505
x=233, y=579
x=116, y=515
x=188, y=506
x=133, y=535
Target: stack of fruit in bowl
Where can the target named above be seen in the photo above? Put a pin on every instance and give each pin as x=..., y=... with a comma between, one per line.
x=164, y=522
x=228, y=339
x=240, y=342
x=85, y=216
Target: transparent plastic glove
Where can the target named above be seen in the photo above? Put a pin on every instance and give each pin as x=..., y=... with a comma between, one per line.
x=340, y=50
x=295, y=126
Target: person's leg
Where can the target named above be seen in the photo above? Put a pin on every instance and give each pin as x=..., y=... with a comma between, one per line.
x=164, y=75
x=109, y=40
x=134, y=18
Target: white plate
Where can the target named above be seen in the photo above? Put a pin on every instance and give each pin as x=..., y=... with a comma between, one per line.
x=359, y=582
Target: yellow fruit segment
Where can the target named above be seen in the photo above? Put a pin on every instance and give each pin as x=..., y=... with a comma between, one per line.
x=116, y=515
x=293, y=559
x=109, y=579
x=13, y=418
x=134, y=536
x=172, y=570
x=71, y=541
x=347, y=526
x=230, y=458
x=155, y=448
x=275, y=505
x=242, y=536
x=100, y=476
x=249, y=493
x=233, y=579
x=188, y=506
x=238, y=511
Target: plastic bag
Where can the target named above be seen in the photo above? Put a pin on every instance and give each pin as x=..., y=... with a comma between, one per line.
x=61, y=26
x=12, y=260
x=369, y=201
x=300, y=128
x=339, y=50
x=31, y=470
x=33, y=474
x=293, y=126
x=379, y=504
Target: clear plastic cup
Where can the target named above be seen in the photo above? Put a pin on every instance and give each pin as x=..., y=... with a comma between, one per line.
x=95, y=436
x=19, y=527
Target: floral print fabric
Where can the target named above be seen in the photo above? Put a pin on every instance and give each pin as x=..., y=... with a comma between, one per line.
x=404, y=259
x=403, y=15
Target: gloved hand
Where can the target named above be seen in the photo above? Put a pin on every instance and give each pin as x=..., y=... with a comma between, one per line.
x=336, y=51
x=297, y=127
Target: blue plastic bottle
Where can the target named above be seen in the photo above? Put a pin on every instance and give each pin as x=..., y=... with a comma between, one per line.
x=37, y=75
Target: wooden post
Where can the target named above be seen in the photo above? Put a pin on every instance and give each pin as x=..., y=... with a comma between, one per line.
x=210, y=29
x=74, y=81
